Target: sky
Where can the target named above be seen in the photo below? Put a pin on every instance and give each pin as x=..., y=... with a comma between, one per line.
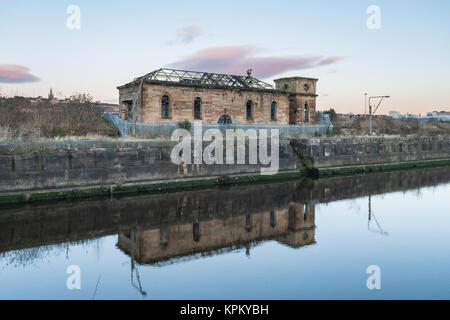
x=407, y=57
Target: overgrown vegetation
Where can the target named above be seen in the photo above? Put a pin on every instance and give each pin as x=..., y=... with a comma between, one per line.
x=186, y=124
x=389, y=126
x=22, y=120
x=78, y=97
x=332, y=114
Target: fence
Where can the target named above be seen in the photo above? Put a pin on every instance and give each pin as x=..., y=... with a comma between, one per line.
x=155, y=130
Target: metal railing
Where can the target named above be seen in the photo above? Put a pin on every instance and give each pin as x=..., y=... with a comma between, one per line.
x=155, y=130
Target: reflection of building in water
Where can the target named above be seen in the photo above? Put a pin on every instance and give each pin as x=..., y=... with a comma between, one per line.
x=301, y=225
x=44, y=225
x=293, y=226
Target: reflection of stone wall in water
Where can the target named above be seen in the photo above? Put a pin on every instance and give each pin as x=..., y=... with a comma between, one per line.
x=60, y=222
x=293, y=226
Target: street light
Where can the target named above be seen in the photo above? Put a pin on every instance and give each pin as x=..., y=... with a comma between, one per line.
x=370, y=109
x=365, y=103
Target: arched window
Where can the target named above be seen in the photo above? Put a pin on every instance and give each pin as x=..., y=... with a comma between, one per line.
x=127, y=108
x=248, y=223
x=225, y=119
x=273, y=111
x=165, y=107
x=273, y=219
x=306, y=116
x=197, y=109
x=196, y=229
x=249, y=110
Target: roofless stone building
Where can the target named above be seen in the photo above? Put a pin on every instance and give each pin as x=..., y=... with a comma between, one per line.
x=168, y=95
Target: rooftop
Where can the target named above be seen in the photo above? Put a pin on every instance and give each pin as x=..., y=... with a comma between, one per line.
x=296, y=78
x=205, y=79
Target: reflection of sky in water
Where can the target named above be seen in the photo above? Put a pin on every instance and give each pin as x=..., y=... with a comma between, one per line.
x=414, y=260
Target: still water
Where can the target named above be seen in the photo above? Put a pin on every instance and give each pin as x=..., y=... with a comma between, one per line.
x=292, y=240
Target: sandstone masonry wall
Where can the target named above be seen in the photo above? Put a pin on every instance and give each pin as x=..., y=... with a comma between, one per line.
x=215, y=103
x=42, y=166
x=335, y=152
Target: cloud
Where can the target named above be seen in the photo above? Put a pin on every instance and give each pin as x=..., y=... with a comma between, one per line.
x=237, y=59
x=16, y=74
x=190, y=33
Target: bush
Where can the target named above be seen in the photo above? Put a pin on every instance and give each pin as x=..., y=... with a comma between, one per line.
x=59, y=132
x=186, y=124
x=313, y=173
x=332, y=114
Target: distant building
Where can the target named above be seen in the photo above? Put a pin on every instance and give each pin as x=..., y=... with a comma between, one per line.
x=430, y=116
x=349, y=116
x=439, y=115
x=107, y=107
x=395, y=114
x=342, y=116
x=412, y=116
x=360, y=116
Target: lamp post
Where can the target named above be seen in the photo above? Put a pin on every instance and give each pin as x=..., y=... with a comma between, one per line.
x=365, y=103
x=370, y=109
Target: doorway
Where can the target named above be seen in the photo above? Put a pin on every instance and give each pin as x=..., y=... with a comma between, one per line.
x=225, y=119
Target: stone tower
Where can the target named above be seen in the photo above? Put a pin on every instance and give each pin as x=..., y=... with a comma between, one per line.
x=50, y=95
x=302, y=98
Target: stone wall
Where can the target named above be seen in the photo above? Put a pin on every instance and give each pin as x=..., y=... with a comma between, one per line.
x=335, y=152
x=214, y=104
x=82, y=164
x=65, y=165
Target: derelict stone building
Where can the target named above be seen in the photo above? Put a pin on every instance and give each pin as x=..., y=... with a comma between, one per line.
x=168, y=95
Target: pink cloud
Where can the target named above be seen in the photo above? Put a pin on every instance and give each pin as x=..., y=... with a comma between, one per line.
x=237, y=59
x=16, y=74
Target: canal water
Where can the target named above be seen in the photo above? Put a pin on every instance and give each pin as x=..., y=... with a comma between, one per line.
x=375, y=236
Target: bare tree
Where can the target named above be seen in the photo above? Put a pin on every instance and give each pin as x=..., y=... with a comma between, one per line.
x=78, y=97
